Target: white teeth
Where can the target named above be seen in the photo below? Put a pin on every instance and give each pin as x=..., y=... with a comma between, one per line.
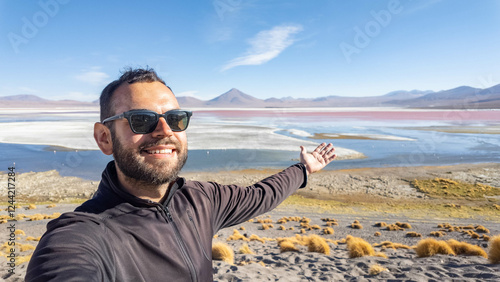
x=166, y=151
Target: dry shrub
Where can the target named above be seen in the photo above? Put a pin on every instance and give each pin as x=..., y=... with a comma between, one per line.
x=482, y=229
x=246, y=250
x=23, y=259
x=377, y=234
x=394, y=227
x=25, y=247
x=19, y=232
x=288, y=245
x=413, y=234
x=463, y=248
x=318, y=244
x=31, y=207
x=437, y=233
x=356, y=221
x=282, y=227
x=357, y=225
x=237, y=236
x=223, y=252
x=242, y=227
x=36, y=217
x=291, y=228
x=254, y=237
x=380, y=224
x=329, y=219
x=358, y=247
x=403, y=225
x=494, y=250
x=376, y=269
x=486, y=238
x=302, y=231
x=328, y=230
x=332, y=223
x=392, y=245
x=51, y=206
x=282, y=220
x=305, y=220
x=317, y=227
x=429, y=247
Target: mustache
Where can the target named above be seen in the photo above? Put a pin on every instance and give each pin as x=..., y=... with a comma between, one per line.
x=165, y=141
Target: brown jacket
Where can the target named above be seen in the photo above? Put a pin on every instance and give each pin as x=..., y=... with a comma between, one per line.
x=116, y=236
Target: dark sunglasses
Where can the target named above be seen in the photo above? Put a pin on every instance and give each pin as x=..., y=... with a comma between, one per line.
x=145, y=121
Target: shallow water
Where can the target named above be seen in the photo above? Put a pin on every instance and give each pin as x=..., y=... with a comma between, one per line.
x=240, y=139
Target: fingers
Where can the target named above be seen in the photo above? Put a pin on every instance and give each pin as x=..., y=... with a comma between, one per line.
x=326, y=151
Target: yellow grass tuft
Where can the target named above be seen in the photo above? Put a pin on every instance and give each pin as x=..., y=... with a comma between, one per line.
x=31, y=238
x=31, y=207
x=494, y=250
x=358, y=247
x=356, y=225
x=429, y=247
x=246, y=250
x=51, y=206
x=317, y=227
x=413, y=234
x=23, y=259
x=318, y=244
x=376, y=270
x=302, y=231
x=25, y=247
x=254, y=237
x=403, y=225
x=463, y=248
x=482, y=229
x=380, y=224
x=242, y=227
x=394, y=227
x=288, y=246
x=19, y=232
x=332, y=223
x=328, y=230
x=438, y=233
x=377, y=234
x=223, y=252
x=389, y=244
x=237, y=236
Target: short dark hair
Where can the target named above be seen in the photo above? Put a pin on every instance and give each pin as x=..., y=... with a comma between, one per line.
x=130, y=76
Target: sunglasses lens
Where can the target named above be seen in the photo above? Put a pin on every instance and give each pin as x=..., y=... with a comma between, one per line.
x=143, y=123
x=178, y=121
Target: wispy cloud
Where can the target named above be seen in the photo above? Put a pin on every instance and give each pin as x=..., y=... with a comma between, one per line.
x=93, y=77
x=266, y=45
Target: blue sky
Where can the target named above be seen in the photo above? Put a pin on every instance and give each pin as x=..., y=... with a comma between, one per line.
x=69, y=49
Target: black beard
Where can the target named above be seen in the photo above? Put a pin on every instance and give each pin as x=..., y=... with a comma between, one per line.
x=132, y=167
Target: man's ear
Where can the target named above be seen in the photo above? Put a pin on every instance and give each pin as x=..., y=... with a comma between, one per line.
x=102, y=136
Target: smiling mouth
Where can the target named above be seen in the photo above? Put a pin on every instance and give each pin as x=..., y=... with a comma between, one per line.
x=163, y=151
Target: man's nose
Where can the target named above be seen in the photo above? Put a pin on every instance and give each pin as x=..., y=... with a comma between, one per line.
x=162, y=129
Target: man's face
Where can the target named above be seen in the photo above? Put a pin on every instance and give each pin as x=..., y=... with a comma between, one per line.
x=153, y=158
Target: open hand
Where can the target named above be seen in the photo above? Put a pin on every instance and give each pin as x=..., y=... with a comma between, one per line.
x=318, y=159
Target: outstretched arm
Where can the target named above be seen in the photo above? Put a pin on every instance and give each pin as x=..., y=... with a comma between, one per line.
x=318, y=159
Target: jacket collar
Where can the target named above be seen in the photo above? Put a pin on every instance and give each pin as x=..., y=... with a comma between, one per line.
x=110, y=184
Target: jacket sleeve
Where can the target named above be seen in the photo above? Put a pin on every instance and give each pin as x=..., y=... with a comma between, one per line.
x=70, y=253
x=235, y=204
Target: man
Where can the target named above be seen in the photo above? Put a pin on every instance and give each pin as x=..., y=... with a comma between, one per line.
x=145, y=223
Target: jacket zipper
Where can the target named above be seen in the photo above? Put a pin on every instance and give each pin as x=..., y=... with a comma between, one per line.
x=181, y=244
x=197, y=236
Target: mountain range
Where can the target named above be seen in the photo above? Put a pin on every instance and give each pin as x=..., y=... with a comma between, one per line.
x=463, y=97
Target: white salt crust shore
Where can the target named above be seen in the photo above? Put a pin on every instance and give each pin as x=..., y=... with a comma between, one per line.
x=79, y=135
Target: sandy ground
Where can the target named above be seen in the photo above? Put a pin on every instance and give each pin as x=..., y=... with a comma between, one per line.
x=369, y=196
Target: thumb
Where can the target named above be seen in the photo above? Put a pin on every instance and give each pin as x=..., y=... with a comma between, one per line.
x=303, y=150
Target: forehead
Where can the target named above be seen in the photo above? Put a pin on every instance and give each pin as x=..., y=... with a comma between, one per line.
x=153, y=96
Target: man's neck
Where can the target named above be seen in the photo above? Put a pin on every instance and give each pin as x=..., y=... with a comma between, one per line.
x=146, y=191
